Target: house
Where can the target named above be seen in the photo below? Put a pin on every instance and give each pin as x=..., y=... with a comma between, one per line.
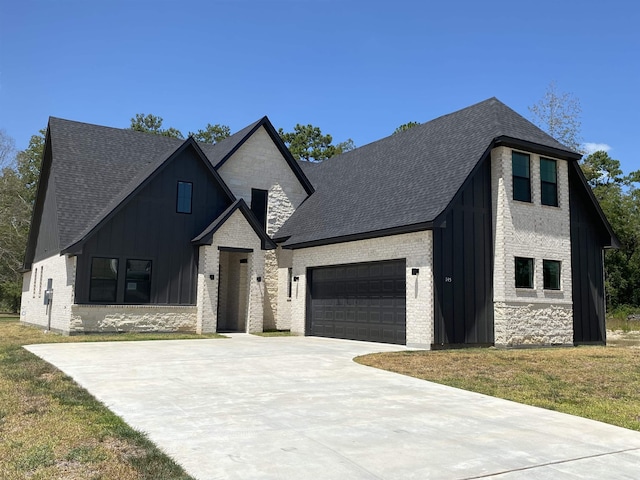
x=476, y=228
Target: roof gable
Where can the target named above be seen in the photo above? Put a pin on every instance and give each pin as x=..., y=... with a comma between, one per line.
x=142, y=178
x=45, y=180
x=405, y=181
x=206, y=237
x=96, y=169
x=221, y=152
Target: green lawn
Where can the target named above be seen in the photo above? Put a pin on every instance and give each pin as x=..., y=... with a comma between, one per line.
x=601, y=383
x=50, y=428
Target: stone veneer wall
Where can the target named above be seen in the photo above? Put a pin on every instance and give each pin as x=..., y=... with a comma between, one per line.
x=259, y=164
x=236, y=233
x=132, y=318
x=416, y=248
x=530, y=316
x=62, y=269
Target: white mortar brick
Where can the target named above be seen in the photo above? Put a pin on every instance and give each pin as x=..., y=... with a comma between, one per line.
x=416, y=248
x=285, y=261
x=531, y=230
x=237, y=233
x=259, y=164
x=62, y=269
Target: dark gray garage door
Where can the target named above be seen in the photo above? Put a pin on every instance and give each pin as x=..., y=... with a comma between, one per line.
x=361, y=301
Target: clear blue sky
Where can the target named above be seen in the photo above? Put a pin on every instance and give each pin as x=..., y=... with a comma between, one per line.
x=356, y=69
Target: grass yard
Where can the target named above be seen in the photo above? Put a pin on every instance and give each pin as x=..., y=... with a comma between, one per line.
x=274, y=333
x=601, y=383
x=50, y=428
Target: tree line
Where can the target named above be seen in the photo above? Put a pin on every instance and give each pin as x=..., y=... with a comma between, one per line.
x=556, y=113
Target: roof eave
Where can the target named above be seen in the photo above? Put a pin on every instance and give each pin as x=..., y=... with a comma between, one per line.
x=505, y=140
x=416, y=227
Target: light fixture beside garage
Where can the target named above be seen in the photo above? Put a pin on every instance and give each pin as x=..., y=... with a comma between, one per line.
x=212, y=276
x=259, y=279
x=295, y=279
x=415, y=271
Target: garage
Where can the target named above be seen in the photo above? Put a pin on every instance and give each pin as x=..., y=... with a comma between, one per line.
x=360, y=301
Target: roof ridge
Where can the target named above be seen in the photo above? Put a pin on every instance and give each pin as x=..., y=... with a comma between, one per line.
x=126, y=130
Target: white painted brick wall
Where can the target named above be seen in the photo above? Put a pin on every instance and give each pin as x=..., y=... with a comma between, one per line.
x=236, y=233
x=530, y=230
x=285, y=261
x=259, y=164
x=62, y=269
x=416, y=248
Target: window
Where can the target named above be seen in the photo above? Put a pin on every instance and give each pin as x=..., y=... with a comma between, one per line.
x=259, y=206
x=548, y=182
x=104, y=280
x=551, y=274
x=137, y=284
x=521, y=177
x=40, y=284
x=35, y=282
x=185, y=190
x=524, y=272
x=289, y=282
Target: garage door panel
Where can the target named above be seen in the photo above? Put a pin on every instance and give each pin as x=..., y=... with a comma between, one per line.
x=359, y=302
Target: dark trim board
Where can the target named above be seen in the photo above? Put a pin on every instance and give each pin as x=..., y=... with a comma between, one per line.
x=235, y=249
x=417, y=227
x=535, y=148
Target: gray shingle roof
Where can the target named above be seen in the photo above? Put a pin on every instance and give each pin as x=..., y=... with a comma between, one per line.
x=96, y=168
x=406, y=179
x=93, y=165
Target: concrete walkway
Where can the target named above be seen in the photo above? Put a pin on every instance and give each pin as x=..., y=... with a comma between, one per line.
x=299, y=408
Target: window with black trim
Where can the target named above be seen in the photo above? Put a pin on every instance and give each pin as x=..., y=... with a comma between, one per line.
x=548, y=182
x=185, y=192
x=551, y=274
x=137, y=284
x=520, y=164
x=524, y=272
x=104, y=280
x=289, y=282
x=259, y=205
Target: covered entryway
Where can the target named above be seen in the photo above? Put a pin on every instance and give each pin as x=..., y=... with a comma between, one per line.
x=361, y=301
x=234, y=289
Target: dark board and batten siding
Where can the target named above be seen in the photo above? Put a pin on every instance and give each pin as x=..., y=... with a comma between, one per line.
x=47, y=244
x=463, y=266
x=587, y=243
x=149, y=228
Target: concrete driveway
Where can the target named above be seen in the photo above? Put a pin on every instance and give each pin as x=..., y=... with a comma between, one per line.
x=297, y=408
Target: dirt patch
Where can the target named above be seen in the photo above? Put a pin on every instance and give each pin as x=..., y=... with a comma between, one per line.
x=620, y=338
